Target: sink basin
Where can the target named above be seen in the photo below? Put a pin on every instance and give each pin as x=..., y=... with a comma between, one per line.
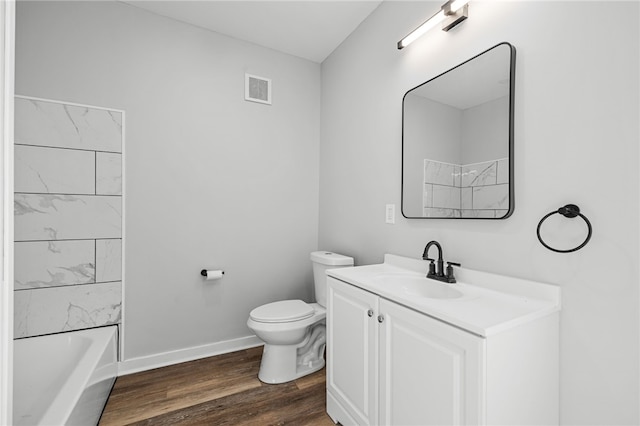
x=417, y=286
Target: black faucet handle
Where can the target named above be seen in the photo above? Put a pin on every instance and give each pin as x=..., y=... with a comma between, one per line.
x=450, y=277
x=432, y=266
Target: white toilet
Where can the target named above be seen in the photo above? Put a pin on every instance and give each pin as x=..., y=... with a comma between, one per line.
x=294, y=331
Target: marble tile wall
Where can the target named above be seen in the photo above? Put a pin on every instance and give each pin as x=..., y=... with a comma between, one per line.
x=479, y=190
x=68, y=217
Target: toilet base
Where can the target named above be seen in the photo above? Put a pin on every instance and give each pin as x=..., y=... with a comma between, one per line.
x=284, y=363
x=276, y=375
x=269, y=377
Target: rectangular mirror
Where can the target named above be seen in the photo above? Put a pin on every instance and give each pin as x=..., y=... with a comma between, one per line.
x=457, y=141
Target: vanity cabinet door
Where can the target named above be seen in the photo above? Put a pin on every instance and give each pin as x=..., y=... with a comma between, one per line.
x=352, y=345
x=430, y=372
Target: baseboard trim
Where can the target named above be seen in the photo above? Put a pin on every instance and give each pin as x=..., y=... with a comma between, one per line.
x=149, y=362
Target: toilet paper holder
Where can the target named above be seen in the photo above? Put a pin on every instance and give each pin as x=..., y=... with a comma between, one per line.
x=205, y=272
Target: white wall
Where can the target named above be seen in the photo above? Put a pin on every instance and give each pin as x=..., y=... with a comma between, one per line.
x=576, y=140
x=211, y=180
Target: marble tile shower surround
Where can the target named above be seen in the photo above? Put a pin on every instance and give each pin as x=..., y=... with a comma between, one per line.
x=68, y=216
x=479, y=190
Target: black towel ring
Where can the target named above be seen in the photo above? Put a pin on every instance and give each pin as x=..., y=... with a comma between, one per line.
x=570, y=211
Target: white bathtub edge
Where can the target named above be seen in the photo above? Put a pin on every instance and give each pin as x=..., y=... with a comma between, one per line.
x=164, y=359
x=66, y=401
x=101, y=338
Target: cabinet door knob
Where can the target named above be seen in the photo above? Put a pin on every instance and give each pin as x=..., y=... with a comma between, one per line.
x=380, y=318
x=370, y=313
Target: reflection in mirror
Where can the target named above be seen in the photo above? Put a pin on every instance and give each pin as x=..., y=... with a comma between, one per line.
x=457, y=140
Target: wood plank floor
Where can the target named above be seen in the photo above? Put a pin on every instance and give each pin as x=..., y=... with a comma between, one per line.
x=220, y=390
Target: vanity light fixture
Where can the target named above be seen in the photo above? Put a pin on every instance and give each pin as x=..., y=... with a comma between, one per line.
x=450, y=14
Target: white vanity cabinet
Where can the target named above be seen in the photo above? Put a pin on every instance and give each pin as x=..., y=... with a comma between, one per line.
x=429, y=373
x=390, y=365
x=485, y=358
x=352, y=353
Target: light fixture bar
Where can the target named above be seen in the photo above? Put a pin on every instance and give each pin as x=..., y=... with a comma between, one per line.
x=451, y=13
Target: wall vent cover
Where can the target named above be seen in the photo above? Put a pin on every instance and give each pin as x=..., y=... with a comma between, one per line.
x=257, y=89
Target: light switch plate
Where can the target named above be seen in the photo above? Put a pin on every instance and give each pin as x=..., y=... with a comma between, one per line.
x=390, y=213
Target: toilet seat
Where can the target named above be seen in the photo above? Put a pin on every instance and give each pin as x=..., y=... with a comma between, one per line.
x=282, y=311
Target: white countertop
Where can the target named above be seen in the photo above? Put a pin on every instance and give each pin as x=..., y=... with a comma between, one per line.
x=490, y=303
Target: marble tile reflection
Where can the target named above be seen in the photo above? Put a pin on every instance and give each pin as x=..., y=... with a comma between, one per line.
x=458, y=190
x=54, y=124
x=446, y=197
x=478, y=214
x=51, y=310
x=53, y=263
x=61, y=217
x=427, y=195
x=466, y=198
x=491, y=197
x=439, y=173
x=479, y=174
x=457, y=175
x=446, y=213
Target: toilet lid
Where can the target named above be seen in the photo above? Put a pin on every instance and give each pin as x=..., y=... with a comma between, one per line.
x=283, y=311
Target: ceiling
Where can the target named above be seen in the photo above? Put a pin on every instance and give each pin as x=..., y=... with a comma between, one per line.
x=309, y=29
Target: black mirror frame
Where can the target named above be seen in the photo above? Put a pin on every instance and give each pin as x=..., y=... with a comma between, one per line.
x=512, y=79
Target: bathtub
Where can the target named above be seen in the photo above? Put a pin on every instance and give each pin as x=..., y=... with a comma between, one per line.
x=64, y=379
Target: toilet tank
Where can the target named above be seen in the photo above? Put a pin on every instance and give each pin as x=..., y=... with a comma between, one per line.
x=323, y=260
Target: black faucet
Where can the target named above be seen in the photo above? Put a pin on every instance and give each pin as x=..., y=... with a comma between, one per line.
x=437, y=272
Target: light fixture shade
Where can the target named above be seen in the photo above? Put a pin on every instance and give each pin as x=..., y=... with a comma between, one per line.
x=451, y=14
x=423, y=28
